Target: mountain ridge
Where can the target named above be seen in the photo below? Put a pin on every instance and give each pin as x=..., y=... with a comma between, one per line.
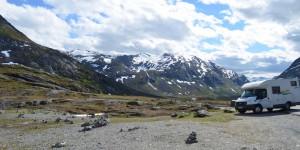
x=293, y=71
x=166, y=74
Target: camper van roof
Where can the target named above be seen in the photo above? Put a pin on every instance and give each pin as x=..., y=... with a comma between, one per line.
x=252, y=85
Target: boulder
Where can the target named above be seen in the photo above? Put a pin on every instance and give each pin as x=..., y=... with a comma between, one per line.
x=134, y=103
x=201, y=113
x=99, y=122
x=192, y=138
x=59, y=145
x=20, y=105
x=35, y=103
x=58, y=119
x=43, y=102
x=208, y=106
x=86, y=128
x=174, y=115
x=29, y=103
x=67, y=120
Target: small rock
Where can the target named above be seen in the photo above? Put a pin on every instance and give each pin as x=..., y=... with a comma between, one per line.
x=121, y=130
x=86, y=128
x=134, y=128
x=174, y=115
x=59, y=145
x=134, y=103
x=35, y=103
x=45, y=121
x=192, y=138
x=67, y=120
x=156, y=108
x=64, y=114
x=19, y=105
x=30, y=103
x=21, y=116
x=58, y=120
x=44, y=102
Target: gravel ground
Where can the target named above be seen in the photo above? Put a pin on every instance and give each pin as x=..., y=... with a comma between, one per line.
x=266, y=131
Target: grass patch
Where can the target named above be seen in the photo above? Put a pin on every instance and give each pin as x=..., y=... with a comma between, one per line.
x=216, y=116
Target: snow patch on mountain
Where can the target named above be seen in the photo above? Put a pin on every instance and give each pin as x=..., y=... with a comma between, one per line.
x=186, y=82
x=152, y=86
x=10, y=63
x=6, y=53
x=229, y=73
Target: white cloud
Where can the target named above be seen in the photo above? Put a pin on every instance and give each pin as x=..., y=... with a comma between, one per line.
x=174, y=26
x=40, y=24
x=138, y=26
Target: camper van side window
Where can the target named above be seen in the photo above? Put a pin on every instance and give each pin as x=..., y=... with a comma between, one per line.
x=293, y=83
x=276, y=89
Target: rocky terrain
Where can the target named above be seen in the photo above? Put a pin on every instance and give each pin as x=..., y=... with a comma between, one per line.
x=39, y=129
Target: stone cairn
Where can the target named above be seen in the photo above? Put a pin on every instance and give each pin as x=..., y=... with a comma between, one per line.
x=192, y=138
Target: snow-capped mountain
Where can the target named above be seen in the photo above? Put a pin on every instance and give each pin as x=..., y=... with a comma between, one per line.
x=167, y=74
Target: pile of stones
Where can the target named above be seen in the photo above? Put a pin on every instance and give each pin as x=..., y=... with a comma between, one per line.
x=192, y=138
x=95, y=123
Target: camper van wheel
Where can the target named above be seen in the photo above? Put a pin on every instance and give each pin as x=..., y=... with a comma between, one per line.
x=270, y=109
x=242, y=111
x=287, y=106
x=257, y=109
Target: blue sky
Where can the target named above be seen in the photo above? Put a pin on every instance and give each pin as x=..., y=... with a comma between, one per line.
x=223, y=31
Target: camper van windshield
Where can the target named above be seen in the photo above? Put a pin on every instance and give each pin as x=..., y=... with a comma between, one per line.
x=259, y=93
x=248, y=93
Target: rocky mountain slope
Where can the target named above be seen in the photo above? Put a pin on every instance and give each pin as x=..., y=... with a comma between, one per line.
x=167, y=75
x=17, y=49
x=293, y=71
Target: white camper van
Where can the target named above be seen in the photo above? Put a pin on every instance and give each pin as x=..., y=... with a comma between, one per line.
x=269, y=94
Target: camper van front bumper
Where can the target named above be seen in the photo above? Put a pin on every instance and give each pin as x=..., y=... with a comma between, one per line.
x=243, y=106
